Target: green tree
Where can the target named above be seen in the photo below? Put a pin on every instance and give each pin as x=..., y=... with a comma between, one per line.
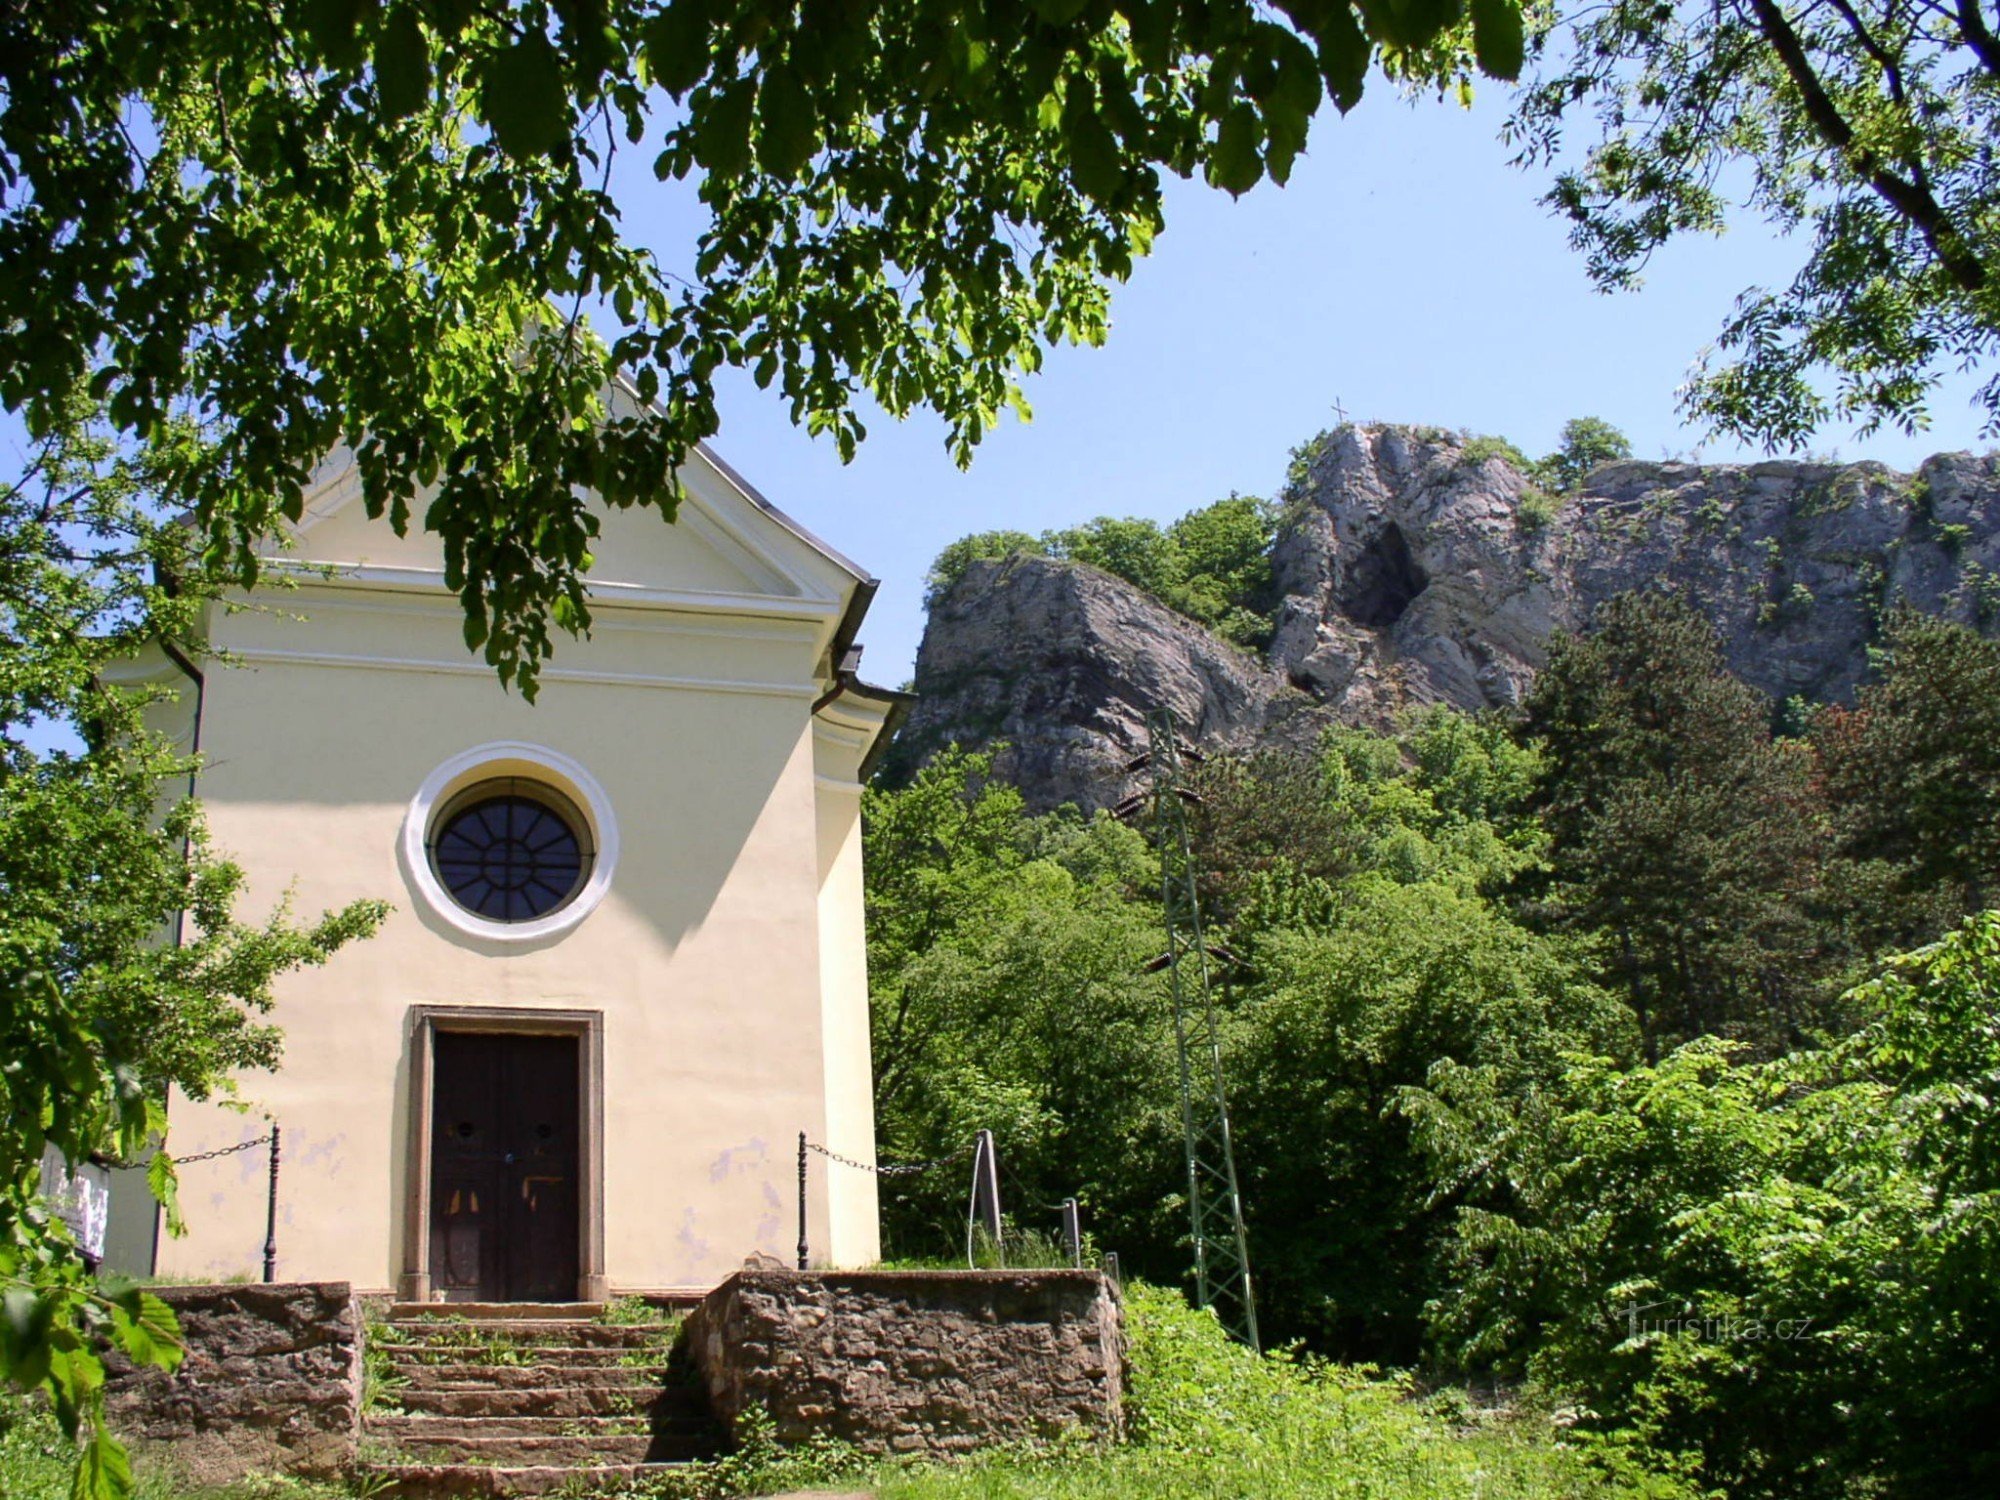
x=1444, y=798
x=1273, y=843
x=1913, y=775
x=1008, y=978
x=1345, y=1218
x=950, y=564
x=123, y=970
x=383, y=221
x=1862, y=126
x=1681, y=834
x=1213, y=564
x=1226, y=578
x=1586, y=443
x=1133, y=548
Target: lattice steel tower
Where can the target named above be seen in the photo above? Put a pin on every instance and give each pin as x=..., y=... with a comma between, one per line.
x=1215, y=1206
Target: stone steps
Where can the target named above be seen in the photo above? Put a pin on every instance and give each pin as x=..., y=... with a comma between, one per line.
x=434, y=1332
x=507, y=1404
x=531, y=1376
x=537, y=1450
x=596, y=1399
x=429, y=1427
x=420, y=1481
x=522, y=1356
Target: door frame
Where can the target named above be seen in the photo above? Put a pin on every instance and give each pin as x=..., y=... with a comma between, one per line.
x=587, y=1026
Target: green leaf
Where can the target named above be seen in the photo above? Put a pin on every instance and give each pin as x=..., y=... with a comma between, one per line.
x=1344, y=50
x=331, y=26
x=146, y=1329
x=103, y=1470
x=787, y=123
x=1408, y=23
x=523, y=98
x=402, y=65
x=677, y=46
x=1233, y=162
x=164, y=1184
x=722, y=130
x=1498, y=38
x=1094, y=159
x=24, y=1336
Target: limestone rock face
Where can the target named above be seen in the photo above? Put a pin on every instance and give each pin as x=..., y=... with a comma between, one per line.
x=1063, y=663
x=1416, y=568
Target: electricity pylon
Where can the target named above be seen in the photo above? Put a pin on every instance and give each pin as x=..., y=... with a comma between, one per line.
x=1215, y=1206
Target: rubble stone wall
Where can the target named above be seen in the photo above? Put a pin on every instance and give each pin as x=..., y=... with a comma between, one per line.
x=915, y=1361
x=271, y=1382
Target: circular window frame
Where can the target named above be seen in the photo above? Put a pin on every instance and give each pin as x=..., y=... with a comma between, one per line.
x=534, y=791
x=502, y=760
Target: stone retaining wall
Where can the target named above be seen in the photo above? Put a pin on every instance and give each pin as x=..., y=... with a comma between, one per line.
x=271, y=1381
x=915, y=1361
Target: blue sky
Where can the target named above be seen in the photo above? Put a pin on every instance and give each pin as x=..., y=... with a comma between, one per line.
x=1406, y=271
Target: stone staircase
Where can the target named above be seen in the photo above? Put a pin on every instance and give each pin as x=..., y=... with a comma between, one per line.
x=494, y=1400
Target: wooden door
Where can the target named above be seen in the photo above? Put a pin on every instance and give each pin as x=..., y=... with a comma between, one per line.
x=504, y=1156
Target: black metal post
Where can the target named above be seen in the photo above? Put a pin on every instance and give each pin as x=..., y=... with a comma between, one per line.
x=1072, y=1232
x=802, y=1200
x=271, y=1214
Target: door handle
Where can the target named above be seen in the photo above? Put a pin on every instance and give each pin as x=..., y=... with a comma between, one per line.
x=510, y=1158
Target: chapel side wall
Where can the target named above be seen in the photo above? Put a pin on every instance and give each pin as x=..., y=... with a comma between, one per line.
x=855, y=1237
x=704, y=957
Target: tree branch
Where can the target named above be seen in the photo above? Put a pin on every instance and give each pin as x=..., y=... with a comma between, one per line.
x=1910, y=199
x=1979, y=36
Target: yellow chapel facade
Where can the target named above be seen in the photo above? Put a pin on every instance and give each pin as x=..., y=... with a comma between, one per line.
x=625, y=965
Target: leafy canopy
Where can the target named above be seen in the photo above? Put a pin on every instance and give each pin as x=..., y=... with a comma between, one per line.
x=1862, y=127
x=381, y=222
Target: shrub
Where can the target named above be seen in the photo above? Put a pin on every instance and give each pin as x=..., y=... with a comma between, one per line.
x=1537, y=509
x=1786, y=1270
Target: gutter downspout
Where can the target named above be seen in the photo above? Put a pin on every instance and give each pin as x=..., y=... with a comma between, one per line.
x=179, y=658
x=842, y=681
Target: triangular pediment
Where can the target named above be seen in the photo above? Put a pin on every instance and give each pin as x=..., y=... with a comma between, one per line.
x=726, y=542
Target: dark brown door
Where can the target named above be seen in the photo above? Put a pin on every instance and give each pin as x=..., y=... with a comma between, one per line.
x=504, y=1224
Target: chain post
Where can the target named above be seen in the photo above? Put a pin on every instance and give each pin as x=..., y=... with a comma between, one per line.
x=271, y=1215
x=802, y=1200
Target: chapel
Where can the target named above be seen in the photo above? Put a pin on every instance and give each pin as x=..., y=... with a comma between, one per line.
x=625, y=966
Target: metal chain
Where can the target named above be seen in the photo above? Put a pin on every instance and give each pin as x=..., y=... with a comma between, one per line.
x=262, y=1140
x=891, y=1168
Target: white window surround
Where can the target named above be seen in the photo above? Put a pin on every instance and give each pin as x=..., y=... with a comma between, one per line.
x=495, y=759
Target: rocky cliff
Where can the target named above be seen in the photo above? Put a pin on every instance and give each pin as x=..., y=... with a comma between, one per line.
x=1416, y=567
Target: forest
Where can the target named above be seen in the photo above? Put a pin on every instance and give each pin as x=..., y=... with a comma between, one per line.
x=1633, y=1053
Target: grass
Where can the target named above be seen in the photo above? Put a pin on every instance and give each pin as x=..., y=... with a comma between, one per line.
x=37, y=1463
